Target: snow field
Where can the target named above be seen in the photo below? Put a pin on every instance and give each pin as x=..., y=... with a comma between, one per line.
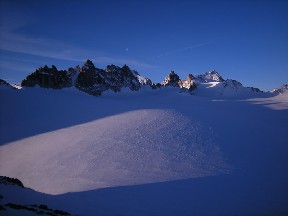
x=200, y=154
x=143, y=146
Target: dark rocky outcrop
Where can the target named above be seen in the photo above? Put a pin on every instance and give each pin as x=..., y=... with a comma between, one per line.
x=47, y=77
x=172, y=80
x=94, y=81
x=10, y=181
x=87, y=78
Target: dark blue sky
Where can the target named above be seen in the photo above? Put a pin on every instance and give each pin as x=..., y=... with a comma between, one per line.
x=243, y=40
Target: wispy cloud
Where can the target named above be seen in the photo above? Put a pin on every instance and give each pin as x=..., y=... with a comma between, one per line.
x=45, y=47
x=184, y=49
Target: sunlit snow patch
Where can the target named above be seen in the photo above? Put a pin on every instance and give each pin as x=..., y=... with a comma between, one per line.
x=212, y=84
x=136, y=147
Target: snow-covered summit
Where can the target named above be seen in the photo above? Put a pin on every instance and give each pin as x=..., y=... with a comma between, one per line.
x=211, y=76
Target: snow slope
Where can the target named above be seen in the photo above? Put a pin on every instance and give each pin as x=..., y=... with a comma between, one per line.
x=200, y=155
x=133, y=147
x=228, y=89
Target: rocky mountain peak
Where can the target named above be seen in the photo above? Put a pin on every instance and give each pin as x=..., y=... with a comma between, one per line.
x=281, y=90
x=188, y=83
x=48, y=77
x=88, y=67
x=172, y=80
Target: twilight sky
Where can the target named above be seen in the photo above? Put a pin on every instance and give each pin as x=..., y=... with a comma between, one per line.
x=245, y=40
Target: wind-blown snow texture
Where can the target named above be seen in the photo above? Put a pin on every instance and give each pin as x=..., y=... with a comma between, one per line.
x=212, y=155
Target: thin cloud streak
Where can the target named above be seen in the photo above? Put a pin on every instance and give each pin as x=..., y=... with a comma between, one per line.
x=58, y=50
x=41, y=47
x=184, y=49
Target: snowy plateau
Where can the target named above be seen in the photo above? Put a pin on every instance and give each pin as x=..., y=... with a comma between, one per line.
x=219, y=149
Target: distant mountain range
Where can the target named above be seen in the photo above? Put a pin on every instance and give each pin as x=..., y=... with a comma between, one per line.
x=95, y=81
